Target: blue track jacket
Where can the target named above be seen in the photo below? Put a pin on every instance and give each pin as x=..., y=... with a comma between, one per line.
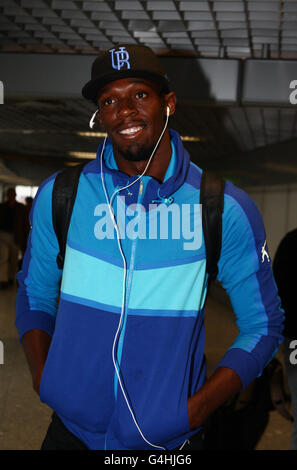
x=160, y=345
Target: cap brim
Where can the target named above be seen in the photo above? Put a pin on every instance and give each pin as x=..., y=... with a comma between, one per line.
x=91, y=90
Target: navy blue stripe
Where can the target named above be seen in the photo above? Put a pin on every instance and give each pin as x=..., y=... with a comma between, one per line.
x=194, y=176
x=136, y=312
x=90, y=303
x=249, y=208
x=139, y=266
x=92, y=166
x=267, y=288
x=95, y=254
x=171, y=262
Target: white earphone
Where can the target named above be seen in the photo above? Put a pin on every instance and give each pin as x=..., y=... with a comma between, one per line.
x=167, y=111
x=92, y=120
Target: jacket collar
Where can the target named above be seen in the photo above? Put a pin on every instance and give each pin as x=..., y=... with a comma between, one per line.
x=155, y=188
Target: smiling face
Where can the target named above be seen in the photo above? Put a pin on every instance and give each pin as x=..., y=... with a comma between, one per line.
x=133, y=111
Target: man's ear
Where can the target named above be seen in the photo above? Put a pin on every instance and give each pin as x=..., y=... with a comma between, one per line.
x=100, y=120
x=170, y=99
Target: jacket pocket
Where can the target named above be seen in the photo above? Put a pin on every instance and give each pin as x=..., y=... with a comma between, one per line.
x=77, y=380
x=160, y=419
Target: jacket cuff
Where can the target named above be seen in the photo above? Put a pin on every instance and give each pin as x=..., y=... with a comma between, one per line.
x=35, y=319
x=243, y=363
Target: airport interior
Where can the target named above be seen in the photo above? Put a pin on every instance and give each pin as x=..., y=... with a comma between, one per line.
x=233, y=67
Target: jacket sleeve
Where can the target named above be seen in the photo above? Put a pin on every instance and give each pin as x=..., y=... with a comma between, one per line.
x=39, y=279
x=246, y=274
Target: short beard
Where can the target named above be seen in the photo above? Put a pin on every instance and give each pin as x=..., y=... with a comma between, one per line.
x=140, y=155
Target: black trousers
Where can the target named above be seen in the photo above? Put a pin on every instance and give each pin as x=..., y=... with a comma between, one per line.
x=58, y=437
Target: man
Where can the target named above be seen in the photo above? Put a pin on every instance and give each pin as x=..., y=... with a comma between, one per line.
x=284, y=264
x=121, y=362
x=14, y=229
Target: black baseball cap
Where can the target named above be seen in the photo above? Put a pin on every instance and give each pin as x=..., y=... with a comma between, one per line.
x=124, y=61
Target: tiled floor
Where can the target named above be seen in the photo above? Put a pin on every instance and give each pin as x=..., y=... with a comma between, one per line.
x=24, y=420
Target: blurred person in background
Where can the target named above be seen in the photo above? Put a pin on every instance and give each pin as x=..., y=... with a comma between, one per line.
x=14, y=230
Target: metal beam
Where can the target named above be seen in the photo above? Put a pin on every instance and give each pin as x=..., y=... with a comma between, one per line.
x=269, y=82
x=204, y=81
x=196, y=81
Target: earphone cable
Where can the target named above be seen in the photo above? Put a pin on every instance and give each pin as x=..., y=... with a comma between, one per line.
x=109, y=203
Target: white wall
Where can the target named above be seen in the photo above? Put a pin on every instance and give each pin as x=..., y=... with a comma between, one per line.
x=278, y=206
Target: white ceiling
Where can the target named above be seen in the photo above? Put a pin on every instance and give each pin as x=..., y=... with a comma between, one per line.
x=41, y=132
x=208, y=28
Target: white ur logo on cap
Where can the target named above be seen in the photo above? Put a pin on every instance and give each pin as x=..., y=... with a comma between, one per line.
x=119, y=58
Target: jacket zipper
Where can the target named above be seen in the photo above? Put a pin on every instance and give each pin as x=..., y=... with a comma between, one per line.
x=128, y=290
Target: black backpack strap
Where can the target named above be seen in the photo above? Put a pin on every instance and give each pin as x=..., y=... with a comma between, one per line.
x=212, y=200
x=63, y=197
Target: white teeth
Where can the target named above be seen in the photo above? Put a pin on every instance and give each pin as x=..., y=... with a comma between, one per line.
x=131, y=130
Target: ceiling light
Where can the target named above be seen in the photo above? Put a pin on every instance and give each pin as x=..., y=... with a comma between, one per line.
x=190, y=138
x=279, y=167
x=82, y=154
x=91, y=134
x=185, y=138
